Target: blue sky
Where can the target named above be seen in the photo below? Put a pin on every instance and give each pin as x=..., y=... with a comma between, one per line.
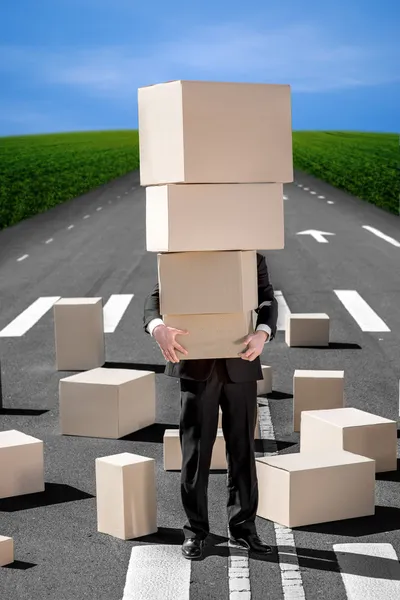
x=72, y=65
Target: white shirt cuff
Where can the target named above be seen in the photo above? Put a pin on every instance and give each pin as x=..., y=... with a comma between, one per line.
x=265, y=328
x=152, y=324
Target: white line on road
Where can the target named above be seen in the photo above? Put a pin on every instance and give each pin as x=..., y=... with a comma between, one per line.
x=86, y=216
x=300, y=185
x=283, y=311
x=292, y=583
x=29, y=317
x=49, y=241
x=330, y=202
x=306, y=189
x=285, y=197
x=369, y=571
x=70, y=227
x=361, y=312
x=321, y=197
x=22, y=257
x=382, y=235
x=114, y=310
x=157, y=571
x=313, y=193
x=99, y=208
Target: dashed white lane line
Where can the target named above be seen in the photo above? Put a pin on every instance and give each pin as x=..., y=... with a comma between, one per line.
x=285, y=197
x=330, y=202
x=22, y=257
x=300, y=185
x=86, y=216
x=71, y=227
x=382, y=235
x=99, y=208
x=292, y=583
x=369, y=571
x=49, y=241
x=29, y=317
x=157, y=571
x=313, y=193
x=361, y=312
x=306, y=189
x=114, y=310
x=321, y=197
x=238, y=573
x=283, y=311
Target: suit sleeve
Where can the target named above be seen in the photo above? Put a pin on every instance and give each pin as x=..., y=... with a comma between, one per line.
x=267, y=311
x=151, y=308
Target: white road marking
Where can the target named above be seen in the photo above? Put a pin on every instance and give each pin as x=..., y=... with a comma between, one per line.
x=321, y=197
x=49, y=241
x=292, y=583
x=29, y=317
x=86, y=216
x=22, y=257
x=382, y=235
x=285, y=197
x=306, y=189
x=361, y=312
x=369, y=571
x=114, y=310
x=70, y=227
x=313, y=193
x=157, y=571
x=330, y=202
x=283, y=311
x=238, y=573
x=99, y=208
x=317, y=235
x=300, y=185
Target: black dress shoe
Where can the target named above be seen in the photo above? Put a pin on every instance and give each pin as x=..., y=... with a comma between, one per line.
x=251, y=542
x=192, y=548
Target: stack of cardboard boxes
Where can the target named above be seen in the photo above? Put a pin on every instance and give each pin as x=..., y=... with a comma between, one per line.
x=213, y=158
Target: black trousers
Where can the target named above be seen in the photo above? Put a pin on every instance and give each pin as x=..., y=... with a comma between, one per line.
x=200, y=401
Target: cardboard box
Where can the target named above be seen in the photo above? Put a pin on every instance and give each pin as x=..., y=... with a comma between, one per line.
x=21, y=464
x=173, y=452
x=211, y=132
x=265, y=386
x=316, y=390
x=126, y=495
x=302, y=489
x=6, y=551
x=107, y=403
x=352, y=430
x=79, y=333
x=201, y=218
x=257, y=433
x=207, y=282
x=211, y=336
x=304, y=329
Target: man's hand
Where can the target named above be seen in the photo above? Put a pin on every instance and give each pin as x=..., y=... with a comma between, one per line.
x=165, y=338
x=255, y=343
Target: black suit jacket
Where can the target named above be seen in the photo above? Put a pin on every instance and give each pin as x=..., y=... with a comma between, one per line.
x=239, y=370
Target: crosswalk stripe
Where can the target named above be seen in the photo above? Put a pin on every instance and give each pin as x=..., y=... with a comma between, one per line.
x=361, y=312
x=157, y=571
x=29, y=317
x=283, y=310
x=369, y=571
x=114, y=310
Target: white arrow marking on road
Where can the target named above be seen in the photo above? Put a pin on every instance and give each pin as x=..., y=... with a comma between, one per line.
x=369, y=571
x=317, y=235
x=382, y=235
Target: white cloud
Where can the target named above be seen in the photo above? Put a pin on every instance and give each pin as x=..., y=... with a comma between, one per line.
x=301, y=55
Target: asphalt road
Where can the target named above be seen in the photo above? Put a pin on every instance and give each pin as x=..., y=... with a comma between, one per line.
x=58, y=553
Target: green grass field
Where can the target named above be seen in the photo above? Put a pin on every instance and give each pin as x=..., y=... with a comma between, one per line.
x=39, y=172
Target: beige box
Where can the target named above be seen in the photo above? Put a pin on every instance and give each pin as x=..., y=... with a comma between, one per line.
x=316, y=390
x=212, y=132
x=173, y=452
x=79, y=333
x=21, y=464
x=304, y=329
x=201, y=218
x=302, y=489
x=107, y=403
x=211, y=336
x=6, y=551
x=264, y=386
x=126, y=495
x=207, y=282
x=257, y=432
x=352, y=430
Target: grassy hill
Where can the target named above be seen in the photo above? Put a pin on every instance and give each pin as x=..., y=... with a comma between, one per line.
x=39, y=171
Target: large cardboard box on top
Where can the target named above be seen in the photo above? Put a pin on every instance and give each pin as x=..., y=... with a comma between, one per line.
x=303, y=489
x=212, y=132
x=212, y=336
x=207, y=282
x=215, y=217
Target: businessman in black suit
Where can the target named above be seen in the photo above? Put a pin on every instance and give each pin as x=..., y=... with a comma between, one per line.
x=205, y=385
